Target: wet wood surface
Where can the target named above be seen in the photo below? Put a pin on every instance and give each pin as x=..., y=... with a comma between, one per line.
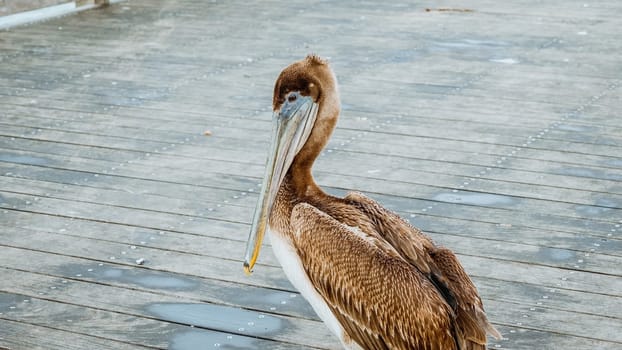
x=133, y=139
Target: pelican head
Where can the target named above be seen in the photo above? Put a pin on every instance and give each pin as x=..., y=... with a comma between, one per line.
x=306, y=106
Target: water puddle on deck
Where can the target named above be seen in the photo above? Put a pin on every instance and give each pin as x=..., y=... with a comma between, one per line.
x=27, y=160
x=602, y=207
x=137, y=277
x=218, y=317
x=237, y=324
x=613, y=162
x=275, y=301
x=556, y=255
x=473, y=198
x=12, y=302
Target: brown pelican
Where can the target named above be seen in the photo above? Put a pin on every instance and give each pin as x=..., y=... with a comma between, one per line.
x=375, y=280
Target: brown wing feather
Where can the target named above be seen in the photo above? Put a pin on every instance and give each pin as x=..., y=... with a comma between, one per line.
x=470, y=317
x=470, y=314
x=411, y=243
x=381, y=300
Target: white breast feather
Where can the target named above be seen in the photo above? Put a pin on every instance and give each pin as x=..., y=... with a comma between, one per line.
x=289, y=260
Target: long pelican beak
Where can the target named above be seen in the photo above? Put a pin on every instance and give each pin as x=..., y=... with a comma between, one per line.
x=292, y=125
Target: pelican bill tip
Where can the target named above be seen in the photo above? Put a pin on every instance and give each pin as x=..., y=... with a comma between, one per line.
x=248, y=270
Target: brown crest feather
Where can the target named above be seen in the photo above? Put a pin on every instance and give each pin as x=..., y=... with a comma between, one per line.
x=315, y=59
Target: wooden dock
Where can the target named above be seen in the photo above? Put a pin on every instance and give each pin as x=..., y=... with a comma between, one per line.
x=133, y=140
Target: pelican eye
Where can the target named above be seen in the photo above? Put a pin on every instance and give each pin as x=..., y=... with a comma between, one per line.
x=291, y=98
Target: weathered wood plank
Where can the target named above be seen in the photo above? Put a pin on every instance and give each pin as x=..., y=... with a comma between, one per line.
x=73, y=273
x=425, y=180
x=116, y=273
x=407, y=205
x=145, y=242
x=485, y=129
x=51, y=338
x=439, y=225
x=455, y=163
x=454, y=160
x=237, y=208
x=405, y=124
x=219, y=268
x=442, y=192
x=244, y=186
x=523, y=92
x=174, y=310
x=108, y=325
x=158, y=259
x=483, y=125
x=160, y=206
